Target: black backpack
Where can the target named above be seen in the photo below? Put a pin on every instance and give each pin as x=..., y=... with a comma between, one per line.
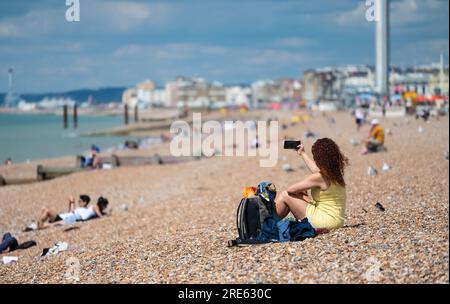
x=251, y=214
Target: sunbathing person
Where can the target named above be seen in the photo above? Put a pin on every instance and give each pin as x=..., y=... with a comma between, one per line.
x=326, y=208
x=93, y=161
x=49, y=218
x=10, y=243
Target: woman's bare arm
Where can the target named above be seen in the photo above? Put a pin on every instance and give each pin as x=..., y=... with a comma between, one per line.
x=71, y=205
x=97, y=211
x=308, y=161
x=313, y=180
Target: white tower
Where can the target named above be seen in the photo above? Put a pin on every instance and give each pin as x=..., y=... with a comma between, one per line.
x=382, y=46
x=10, y=74
x=9, y=95
x=441, y=75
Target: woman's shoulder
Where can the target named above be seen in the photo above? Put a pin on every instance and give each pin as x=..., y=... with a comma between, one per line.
x=321, y=182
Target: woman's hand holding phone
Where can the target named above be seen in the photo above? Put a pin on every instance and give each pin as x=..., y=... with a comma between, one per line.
x=300, y=149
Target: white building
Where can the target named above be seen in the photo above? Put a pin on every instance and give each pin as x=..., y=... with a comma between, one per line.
x=54, y=103
x=196, y=92
x=265, y=91
x=145, y=95
x=26, y=106
x=410, y=82
x=147, y=98
x=130, y=97
x=237, y=96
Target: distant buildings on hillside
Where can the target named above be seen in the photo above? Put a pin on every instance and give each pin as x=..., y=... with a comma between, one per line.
x=344, y=86
x=339, y=86
x=198, y=92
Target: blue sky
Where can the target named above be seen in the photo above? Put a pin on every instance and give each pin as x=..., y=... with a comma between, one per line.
x=120, y=42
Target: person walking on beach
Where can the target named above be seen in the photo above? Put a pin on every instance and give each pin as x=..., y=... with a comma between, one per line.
x=325, y=209
x=359, y=118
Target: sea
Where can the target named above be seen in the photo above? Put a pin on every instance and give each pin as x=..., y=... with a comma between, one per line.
x=28, y=137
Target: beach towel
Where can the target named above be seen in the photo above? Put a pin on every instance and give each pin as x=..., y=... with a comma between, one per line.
x=277, y=230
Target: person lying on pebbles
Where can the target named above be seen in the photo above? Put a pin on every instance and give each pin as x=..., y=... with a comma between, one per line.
x=9, y=244
x=48, y=218
x=326, y=209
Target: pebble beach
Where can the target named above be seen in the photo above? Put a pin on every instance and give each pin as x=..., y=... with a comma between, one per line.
x=171, y=223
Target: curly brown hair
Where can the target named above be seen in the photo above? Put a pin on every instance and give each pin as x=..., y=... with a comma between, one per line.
x=330, y=160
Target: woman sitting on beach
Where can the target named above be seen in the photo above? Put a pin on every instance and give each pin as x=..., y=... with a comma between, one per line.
x=326, y=209
x=48, y=218
x=93, y=161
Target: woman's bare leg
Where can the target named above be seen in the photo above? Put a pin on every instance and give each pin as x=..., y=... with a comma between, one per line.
x=295, y=203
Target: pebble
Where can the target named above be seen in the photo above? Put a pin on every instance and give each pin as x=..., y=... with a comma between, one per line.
x=380, y=207
x=354, y=142
x=179, y=234
x=371, y=171
x=386, y=167
x=287, y=168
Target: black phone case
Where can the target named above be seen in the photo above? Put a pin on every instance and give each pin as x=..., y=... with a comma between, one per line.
x=291, y=144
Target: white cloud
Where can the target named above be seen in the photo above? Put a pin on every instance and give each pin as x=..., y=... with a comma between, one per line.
x=121, y=15
x=293, y=42
x=172, y=54
x=8, y=29
x=128, y=50
x=353, y=16
x=402, y=12
x=170, y=51
x=424, y=51
x=99, y=16
x=274, y=57
x=439, y=45
x=32, y=23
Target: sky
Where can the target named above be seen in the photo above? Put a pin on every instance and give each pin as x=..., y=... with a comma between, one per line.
x=120, y=43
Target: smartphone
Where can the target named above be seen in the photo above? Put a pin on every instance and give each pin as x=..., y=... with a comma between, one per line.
x=291, y=144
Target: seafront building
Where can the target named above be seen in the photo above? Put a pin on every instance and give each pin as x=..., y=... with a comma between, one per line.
x=54, y=103
x=276, y=91
x=346, y=85
x=328, y=87
x=338, y=84
x=181, y=92
x=199, y=93
x=237, y=96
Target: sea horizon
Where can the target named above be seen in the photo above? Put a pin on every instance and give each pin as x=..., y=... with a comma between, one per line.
x=33, y=136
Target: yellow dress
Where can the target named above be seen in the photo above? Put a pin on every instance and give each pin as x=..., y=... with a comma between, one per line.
x=328, y=207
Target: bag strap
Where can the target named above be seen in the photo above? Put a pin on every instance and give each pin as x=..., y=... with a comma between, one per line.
x=237, y=217
x=240, y=242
